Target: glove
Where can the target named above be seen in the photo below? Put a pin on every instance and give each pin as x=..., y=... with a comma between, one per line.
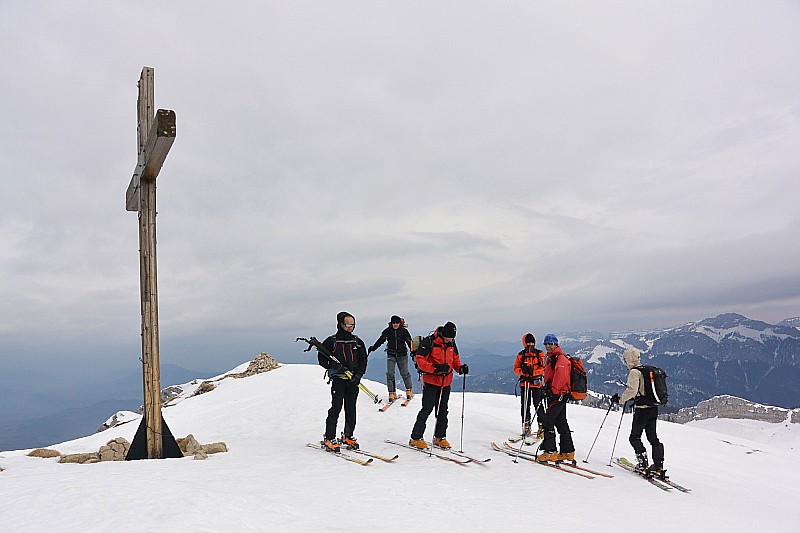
x=442, y=368
x=464, y=370
x=615, y=398
x=526, y=369
x=356, y=379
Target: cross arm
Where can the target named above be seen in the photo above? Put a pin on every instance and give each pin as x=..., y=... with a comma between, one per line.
x=152, y=157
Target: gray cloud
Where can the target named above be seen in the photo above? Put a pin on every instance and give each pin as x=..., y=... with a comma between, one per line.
x=508, y=167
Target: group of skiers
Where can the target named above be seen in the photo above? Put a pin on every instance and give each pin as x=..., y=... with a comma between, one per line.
x=544, y=379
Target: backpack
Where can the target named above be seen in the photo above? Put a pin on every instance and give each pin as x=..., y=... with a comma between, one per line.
x=655, y=386
x=578, y=382
x=417, y=342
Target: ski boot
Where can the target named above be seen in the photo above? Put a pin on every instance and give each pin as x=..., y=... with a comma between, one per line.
x=526, y=429
x=441, y=443
x=409, y=394
x=418, y=443
x=545, y=457
x=568, y=457
x=657, y=471
x=330, y=445
x=641, y=462
x=350, y=442
x=392, y=397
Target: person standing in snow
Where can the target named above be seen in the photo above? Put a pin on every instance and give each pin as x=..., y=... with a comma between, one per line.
x=529, y=366
x=398, y=340
x=347, y=348
x=437, y=358
x=645, y=416
x=553, y=411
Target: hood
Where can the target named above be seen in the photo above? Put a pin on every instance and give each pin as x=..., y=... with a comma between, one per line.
x=524, y=344
x=632, y=356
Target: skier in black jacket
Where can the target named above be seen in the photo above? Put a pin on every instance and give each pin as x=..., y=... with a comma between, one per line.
x=352, y=353
x=398, y=341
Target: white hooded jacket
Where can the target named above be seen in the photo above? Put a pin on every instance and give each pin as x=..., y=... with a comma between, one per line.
x=635, y=386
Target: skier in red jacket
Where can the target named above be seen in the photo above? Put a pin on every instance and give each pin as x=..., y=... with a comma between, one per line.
x=553, y=412
x=437, y=358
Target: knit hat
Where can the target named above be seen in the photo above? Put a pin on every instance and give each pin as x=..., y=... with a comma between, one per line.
x=530, y=339
x=448, y=330
x=395, y=319
x=551, y=339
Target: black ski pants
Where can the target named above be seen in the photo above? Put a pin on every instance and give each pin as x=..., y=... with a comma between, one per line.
x=527, y=396
x=343, y=392
x=433, y=397
x=644, y=419
x=553, y=415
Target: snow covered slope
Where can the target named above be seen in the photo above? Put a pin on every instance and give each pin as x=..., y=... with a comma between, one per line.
x=270, y=481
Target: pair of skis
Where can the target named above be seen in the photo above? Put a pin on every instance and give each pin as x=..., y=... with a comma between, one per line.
x=665, y=484
x=404, y=403
x=352, y=459
x=564, y=466
x=530, y=440
x=446, y=455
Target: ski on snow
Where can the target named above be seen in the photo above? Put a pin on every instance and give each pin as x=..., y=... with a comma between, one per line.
x=571, y=464
x=530, y=440
x=375, y=455
x=431, y=452
x=465, y=456
x=341, y=455
x=664, y=484
x=404, y=403
x=513, y=453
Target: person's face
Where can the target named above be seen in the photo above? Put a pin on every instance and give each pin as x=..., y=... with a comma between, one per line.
x=395, y=325
x=550, y=347
x=349, y=323
x=448, y=340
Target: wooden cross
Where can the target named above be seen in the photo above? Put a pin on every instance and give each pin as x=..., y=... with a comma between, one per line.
x=156, y=133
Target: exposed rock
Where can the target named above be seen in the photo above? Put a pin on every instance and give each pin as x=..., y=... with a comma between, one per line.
x=262, y=363
x=204, y=387
x=114, y=450
x=44, y=453
x=736, y=408
x=215, y=447
x=173, y=391
x=200, y=456
x=189, y=445
x=81, y=458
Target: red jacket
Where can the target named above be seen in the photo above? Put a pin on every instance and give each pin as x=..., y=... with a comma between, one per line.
x=533, y=357
x=556, y=376
x=439, y=354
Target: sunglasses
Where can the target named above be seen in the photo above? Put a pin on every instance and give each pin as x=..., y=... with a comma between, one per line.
x=348, y=325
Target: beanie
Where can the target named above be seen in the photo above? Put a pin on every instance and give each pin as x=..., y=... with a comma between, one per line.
x=395, y=319
x=551, y=339
x=530, y=339
x=448, y=330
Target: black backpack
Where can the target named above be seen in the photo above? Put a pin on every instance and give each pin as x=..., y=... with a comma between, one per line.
x=655, y=386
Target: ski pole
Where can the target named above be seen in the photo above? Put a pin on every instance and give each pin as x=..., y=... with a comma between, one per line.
x=533, y=418
x=463, y=390
x=615, y=438
x=321, y=349
x=610, y=405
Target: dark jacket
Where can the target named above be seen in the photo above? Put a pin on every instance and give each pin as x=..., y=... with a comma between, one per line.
x=348, y=349
x=397, y=341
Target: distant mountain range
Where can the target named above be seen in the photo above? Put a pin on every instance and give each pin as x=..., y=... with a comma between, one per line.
x=728, y=354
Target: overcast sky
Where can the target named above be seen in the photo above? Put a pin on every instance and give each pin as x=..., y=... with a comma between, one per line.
x=509, y=166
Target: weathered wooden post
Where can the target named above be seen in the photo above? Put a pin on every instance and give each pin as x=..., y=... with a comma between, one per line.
x=156, y=133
